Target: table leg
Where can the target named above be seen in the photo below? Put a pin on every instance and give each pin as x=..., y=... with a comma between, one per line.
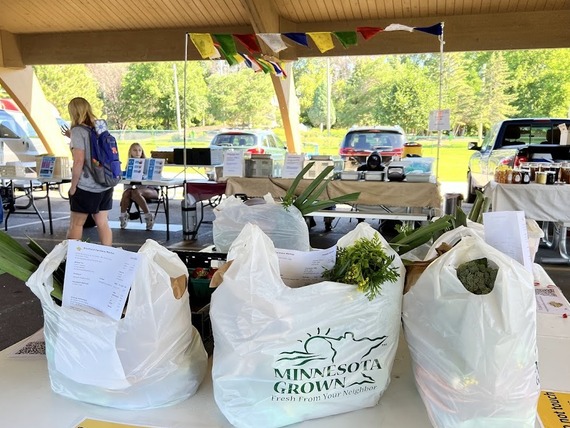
x=164, y=191
x=49, y=209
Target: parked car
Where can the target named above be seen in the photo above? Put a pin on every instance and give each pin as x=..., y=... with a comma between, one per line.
x=359, y=143
x=512, y=142
x=253, y=142
x=15, y=143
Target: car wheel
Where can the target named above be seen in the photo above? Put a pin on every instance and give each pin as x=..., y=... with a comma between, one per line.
x=471, y=195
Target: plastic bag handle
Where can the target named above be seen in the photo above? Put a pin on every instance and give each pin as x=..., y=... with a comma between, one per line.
x=252, y=251
x=42, y=289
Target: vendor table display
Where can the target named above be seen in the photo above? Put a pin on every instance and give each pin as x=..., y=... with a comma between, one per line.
x=546, y=203
x=400, y=194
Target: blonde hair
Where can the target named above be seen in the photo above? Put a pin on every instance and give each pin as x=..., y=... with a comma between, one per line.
x=132, y=146
x=80, y=112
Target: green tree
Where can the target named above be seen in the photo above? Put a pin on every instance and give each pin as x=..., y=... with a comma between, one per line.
x=242, y=98
x=318, y=112
x=61, y=83
x=310, y=73
x=109, y=79
x=540, y=85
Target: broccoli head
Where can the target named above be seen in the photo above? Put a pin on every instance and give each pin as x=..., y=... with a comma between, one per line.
x=477, y=276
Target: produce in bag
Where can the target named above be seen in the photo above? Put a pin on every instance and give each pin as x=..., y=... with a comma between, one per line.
x=474, y=357
x=286, y=227
x=284, y=355
x=151, y=357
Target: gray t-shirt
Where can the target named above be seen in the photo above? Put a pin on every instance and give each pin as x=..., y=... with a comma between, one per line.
x=80, y=140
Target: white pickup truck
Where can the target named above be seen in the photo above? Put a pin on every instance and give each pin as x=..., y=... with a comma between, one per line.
x=512, y=142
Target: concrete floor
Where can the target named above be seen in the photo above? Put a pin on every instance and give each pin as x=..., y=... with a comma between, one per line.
x=20, y=311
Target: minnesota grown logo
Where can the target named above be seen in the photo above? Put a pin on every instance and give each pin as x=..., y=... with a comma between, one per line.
x=328, y=366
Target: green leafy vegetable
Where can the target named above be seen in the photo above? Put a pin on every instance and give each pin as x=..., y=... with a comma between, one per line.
x=365, y=264
x=477, y=276
x=307, y=201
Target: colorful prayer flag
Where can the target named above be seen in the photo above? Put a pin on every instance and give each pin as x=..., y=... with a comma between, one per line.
x=347, y=38
x=226, y=42
x=368, y=32
x=436, y=30
x=398, y=27
x=204, y=44
x=249, y=41
x=299, y=38
x=323, y=41
x=274, y=41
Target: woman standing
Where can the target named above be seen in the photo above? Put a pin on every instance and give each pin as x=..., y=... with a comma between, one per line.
x=85, y=195
x=138, y=194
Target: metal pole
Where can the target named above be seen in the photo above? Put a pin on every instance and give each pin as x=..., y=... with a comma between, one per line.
x=328, y=96
x=441, y=43
x=176, y=98
x=184, y=106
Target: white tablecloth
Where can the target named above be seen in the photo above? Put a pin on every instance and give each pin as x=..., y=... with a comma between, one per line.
x=538, y=201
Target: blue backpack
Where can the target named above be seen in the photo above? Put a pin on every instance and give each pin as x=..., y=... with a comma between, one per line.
x=104, y=164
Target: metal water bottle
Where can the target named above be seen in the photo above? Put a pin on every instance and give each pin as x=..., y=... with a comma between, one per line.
x=189, y=217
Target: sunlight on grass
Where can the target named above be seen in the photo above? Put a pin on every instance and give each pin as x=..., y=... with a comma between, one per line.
x=453, y=153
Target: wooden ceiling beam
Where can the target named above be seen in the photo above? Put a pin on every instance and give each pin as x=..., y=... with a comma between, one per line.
x=10, y=56
x=529, y=30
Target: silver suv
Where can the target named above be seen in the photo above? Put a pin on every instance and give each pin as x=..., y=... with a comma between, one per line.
x=15, y=144
x=253, y=142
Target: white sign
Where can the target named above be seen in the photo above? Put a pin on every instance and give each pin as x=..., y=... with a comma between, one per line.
x=98, y=277
x=233, y=163
x=507, y=232
x=153, y=169
x=135, y=169
x=300, y=268
x=293, y=165
x=439, y=120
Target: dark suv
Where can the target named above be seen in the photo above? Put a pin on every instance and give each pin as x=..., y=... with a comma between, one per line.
x=358, y=143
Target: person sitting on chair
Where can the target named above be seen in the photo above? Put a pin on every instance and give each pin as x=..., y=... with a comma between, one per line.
x=138, y=194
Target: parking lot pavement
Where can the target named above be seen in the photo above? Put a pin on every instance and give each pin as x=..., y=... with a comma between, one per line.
x=20, y=312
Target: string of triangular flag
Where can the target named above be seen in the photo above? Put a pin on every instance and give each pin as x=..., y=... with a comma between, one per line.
x=214, y=46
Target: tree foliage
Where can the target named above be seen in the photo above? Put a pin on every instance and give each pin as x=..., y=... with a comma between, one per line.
x=61, y=83
x=478, y=88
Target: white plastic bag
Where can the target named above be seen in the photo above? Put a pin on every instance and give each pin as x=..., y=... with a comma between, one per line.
x=284, y=355
x=474, y=356
x=285, y=227
x=152, y=357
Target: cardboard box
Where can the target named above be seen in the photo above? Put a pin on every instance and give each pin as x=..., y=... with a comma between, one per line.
x=135, y=169
x=153, y=169
x=168, y=156
x=49, y=166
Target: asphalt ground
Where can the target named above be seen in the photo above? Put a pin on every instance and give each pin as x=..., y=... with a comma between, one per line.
x=20, y=311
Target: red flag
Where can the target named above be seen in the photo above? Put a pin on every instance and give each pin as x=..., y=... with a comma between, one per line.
x=249, y=41
x=368, y=32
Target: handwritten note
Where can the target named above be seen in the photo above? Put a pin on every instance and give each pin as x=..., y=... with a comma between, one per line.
x=506, y=231
x=300, y=268
x=98, y=277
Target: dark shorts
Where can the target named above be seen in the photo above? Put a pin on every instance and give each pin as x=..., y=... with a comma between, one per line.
x=83, y=201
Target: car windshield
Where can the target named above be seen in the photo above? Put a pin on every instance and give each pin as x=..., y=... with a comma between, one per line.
x=9, y=128
x=234, y=140
x=374, y=140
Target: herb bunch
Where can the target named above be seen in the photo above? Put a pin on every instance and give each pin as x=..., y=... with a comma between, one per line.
x=365, y=264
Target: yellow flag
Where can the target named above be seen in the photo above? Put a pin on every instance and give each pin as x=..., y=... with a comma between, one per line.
x=323, y=40
x=204, y=43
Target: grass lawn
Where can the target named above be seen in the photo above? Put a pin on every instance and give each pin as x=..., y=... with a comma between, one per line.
x=453, y=154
